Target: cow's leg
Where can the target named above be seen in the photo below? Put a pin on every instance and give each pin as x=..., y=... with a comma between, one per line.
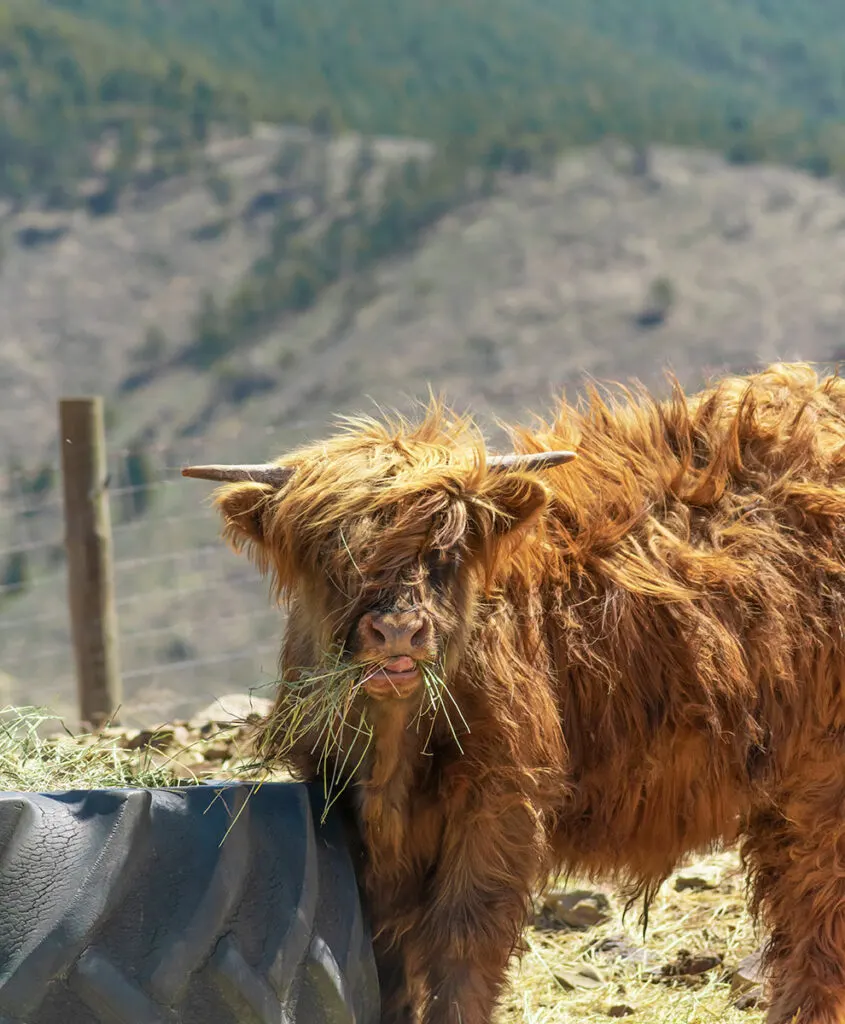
x=399, y=994
x=795, y=850
x=465, y=990
x=478, y=907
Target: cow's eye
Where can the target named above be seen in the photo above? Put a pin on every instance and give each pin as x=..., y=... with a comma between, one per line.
x=440, y=566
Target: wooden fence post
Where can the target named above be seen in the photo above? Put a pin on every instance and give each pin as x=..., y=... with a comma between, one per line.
x=88, y=541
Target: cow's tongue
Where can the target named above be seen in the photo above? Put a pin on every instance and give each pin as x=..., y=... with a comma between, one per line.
x=399, y=665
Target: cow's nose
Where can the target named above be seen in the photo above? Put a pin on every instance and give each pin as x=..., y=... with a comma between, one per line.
x=395, y=632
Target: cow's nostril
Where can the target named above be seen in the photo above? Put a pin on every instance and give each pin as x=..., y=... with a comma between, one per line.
x=379, y=633
x=420, y=636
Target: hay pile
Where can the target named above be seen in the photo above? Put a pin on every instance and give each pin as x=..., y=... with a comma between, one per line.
x=696, y=964
x=39, y=754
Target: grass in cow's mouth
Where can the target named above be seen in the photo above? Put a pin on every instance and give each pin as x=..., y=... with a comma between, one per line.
x=318, y=703
x=439, y=700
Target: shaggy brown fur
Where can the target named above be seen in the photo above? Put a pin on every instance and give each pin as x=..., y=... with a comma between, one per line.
x=646, y=647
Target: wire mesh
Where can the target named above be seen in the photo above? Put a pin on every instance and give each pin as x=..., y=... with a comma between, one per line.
x=195, y=620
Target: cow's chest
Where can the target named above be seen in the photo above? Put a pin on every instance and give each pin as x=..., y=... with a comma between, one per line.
x=404, y=809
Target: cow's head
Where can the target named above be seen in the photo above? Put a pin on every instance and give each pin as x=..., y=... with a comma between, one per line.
x=383, y=540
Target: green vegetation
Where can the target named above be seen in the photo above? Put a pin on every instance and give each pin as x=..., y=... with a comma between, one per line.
x=137, y=482
x=425, y=52
x=14, y=575
x=67, y=84
x=659, y=302
x=661, y=69
x=755, y=78
x=773, y=49
x=38, y=753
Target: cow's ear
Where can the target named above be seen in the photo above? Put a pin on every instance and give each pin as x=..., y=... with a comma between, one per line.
x=516, y=501
x=243, y=507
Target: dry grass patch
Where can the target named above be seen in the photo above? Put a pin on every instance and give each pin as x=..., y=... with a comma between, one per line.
x=38, y=753
x=681, y=973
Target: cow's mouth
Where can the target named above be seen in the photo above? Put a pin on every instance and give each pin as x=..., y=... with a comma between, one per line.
x=396, y=678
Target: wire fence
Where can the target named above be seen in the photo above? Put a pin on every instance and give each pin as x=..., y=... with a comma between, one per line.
x=195, y=620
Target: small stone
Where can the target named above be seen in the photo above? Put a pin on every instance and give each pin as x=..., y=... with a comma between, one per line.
x=577, y=909
x=233, y=708
x=687, y=965
x=582, y=976
x=153, y=739
x=218, y=753
x=751, y=1000
x=617, y=947
x=621, y=1010
x=695, y=882
x=748, y=973
x=182, y=737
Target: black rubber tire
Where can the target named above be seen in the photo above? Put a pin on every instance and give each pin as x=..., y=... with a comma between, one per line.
x=134, y=906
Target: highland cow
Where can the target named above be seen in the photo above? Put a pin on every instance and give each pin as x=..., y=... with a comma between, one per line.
x=600, y=663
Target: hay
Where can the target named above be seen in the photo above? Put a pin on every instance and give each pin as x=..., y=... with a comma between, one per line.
x=693, y=921
x=38, y=753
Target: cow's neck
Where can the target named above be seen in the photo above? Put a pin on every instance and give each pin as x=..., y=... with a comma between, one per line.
x=385, y=778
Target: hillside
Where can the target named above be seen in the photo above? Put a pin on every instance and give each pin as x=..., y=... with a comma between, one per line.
x=615, y=263
x=100, y=94
x=502, y=83
x=772, y=48
x=86, y=108
x=728, y=76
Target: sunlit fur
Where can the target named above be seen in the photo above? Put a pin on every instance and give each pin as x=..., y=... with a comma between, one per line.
x=646, y=645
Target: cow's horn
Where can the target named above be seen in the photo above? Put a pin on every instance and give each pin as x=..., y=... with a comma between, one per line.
x=533, y=460
x=275, y=476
